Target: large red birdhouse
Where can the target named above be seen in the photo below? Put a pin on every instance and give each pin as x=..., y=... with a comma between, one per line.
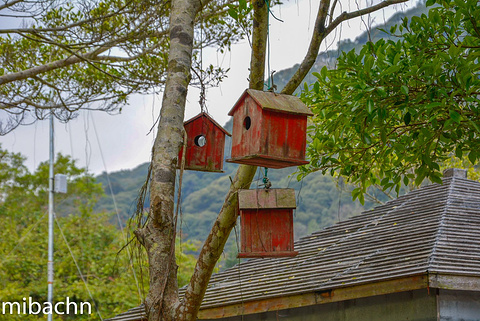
x=269, y=130
x=266, y=218
x=205, y=144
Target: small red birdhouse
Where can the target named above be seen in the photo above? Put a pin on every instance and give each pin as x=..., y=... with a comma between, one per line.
x=266, y=218
x=205, y=144
x=269, y=130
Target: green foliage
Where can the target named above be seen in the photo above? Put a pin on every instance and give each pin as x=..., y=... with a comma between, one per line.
x=94, y=242
x=186, y=259
x=392, y=113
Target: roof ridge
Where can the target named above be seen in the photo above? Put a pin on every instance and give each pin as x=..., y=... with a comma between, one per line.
x=441, y=224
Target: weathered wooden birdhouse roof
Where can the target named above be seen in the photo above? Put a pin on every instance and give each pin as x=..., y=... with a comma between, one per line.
x=207, y=116
x=274, y=102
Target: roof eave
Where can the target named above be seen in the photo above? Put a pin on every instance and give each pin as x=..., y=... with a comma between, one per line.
x=317, y=297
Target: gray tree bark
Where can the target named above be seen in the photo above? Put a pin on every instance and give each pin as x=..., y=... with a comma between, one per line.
x=158, y=236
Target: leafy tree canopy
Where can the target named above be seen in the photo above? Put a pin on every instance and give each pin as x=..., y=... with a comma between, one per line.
x=392, y=113
x=95, y=53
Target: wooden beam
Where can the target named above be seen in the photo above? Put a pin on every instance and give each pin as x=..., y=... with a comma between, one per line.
x=313, y=298
x=454, y=282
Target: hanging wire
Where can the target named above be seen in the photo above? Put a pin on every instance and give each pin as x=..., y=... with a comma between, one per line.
x=202, y=100
x=115, y=206
x=35, y=144
x=340, y=187
x=179, y=192
x=88, y=146
x=266, y=181
x=239, y=271
x=269, y=87
x=32, y=227
x=270, y=84
x=270, y=11
x=78, y=267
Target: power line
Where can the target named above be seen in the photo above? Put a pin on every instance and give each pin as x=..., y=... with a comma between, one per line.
x=78, y=267
x=115, y=206
x=32, y=227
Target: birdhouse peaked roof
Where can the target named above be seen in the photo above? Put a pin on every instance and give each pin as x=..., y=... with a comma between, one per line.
x=205, y=115
x=427, y=238
x=276, y=102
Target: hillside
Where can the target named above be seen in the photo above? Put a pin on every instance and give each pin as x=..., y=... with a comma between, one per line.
x=328, y=58
x=320, y=202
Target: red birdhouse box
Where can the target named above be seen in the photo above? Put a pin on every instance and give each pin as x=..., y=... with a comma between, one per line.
x=205, y=144
x=266, y=218
x=269, y=130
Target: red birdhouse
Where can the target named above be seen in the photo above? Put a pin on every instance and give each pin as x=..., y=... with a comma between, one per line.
x=269, y=130
x=205, y=144
x=266, y=218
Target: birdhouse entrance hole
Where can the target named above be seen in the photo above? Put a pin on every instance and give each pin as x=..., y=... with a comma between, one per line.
x=247, y=123
x=200, y=141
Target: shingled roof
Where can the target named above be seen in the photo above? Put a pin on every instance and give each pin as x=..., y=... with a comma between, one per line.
x=428, y=238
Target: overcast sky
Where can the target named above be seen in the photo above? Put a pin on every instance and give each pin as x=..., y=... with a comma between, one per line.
x=124, y=140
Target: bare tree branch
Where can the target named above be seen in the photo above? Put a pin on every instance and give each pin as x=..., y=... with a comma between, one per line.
x=36, y=31
x=319, y=34
x=10, y=4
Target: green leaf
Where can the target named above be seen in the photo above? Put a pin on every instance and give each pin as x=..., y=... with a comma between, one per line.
x=404, y=90
x=456, y=117
x=477, y=128
x=323, y=72
x=368, y=64
x=391, y=70
x=233, y=13
x=407, y=118
x=435, y=178
x=433, y=105
x=396, y=60
x=472, y=156
x=419, y=179
x=459, y=153
x=370, y=105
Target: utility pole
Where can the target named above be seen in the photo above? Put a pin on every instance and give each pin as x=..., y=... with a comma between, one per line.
x=51, y=207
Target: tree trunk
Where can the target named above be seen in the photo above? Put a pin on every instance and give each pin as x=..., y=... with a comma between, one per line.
x=158, y=236
x=227, y=218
